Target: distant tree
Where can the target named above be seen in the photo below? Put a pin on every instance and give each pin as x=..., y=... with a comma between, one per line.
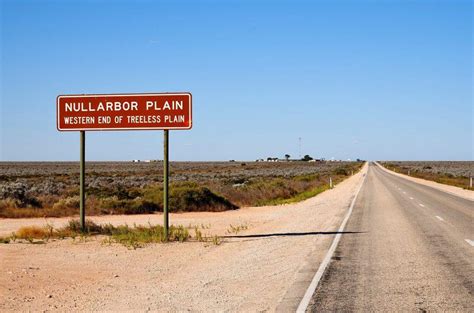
x=287, y=157
x=307, y=158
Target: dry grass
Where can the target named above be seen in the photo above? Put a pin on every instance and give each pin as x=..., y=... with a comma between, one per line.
x=237, y=228
x=33, y=232
x=131, y=237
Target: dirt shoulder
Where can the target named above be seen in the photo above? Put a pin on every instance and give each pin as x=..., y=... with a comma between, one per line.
x=464, y=193
x=250, y=271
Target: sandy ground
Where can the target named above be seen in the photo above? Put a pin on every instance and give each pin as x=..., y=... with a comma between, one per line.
x=266, y=268
x=464, y=193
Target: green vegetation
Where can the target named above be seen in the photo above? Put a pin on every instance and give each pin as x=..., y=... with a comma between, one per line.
x=198, y=234
x=237, y=229
x=131, y=237
x=299, y=197
x=189, y=197
x=216, y=240
x=139, y=236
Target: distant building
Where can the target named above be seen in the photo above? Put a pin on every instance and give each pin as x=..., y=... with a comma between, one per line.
x=269, y=159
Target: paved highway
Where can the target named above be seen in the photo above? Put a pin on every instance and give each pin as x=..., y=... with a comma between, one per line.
x=414, y=252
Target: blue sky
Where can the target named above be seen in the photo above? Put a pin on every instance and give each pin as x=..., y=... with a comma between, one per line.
x=354, y=79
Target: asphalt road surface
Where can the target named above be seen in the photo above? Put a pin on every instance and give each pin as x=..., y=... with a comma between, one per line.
x=414, y=251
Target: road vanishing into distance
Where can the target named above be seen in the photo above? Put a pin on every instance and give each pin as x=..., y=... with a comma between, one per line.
x=412, y=250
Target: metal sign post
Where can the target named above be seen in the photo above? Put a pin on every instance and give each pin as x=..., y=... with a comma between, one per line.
x=165, y=181
x=144, y=111
x=82, y=178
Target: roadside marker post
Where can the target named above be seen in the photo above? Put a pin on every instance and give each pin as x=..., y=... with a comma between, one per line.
x=145, y=111
x=470, y=182
x=330, y=182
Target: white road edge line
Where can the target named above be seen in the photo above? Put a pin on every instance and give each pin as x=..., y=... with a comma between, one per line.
x=322, y=267
x=471, y=242
x=411, y=198
x=440, y=218
x=422, y=205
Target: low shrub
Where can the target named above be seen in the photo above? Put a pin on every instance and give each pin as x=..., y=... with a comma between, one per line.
x=8, y=203
x=188, y=197
x=33, y=232
x=307, y=178
x=114, y=205
x=16, y=212
x=341, y=171
x=195, y=198
x=67, y=204
x=90, y=226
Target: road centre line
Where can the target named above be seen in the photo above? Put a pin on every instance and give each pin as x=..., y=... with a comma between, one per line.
x=422, y=205
x=440, y=218
x=327, y=259
x=411, y=198
x=471, y=242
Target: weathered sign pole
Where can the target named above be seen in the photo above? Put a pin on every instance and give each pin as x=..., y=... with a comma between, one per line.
x=145, y=111
x=82, y=178
x=166, y=168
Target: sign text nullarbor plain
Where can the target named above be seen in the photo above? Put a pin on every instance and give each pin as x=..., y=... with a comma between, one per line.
x=124, y=112
x=120, y=106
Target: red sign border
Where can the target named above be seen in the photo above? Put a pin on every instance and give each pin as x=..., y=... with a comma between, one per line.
x=128, y=94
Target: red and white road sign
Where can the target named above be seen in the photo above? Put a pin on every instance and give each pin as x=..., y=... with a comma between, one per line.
x=124, y=111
